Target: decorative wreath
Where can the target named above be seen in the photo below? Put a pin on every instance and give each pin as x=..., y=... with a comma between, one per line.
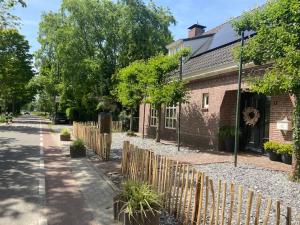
x=251, y=116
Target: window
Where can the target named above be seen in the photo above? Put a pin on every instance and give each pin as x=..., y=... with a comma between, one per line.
x=170, y=117
x=153, y=120
x=205, y=101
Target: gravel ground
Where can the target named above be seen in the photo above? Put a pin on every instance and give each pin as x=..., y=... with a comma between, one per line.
x=269, y=183
x=158, y=148
x=273, y=184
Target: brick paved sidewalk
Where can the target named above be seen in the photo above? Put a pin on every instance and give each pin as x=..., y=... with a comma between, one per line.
x=77, y=193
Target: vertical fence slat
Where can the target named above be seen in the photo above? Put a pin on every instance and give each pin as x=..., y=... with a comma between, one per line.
x=218, y=201
x=267, y=212
x=240, y=203
x=223, y=203
x=196, y=198
x=249, y=206
x=289, y=216
x=257, y=211
x=200, y=199
x=278, y=213
x=231, y=203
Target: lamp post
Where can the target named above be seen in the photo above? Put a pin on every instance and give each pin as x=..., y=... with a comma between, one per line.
x=238, y=105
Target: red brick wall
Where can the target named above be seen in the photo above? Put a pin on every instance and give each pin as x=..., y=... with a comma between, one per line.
x=200, y=127
x=281, y=107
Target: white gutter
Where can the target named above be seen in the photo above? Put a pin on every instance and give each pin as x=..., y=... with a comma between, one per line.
x=215, y=71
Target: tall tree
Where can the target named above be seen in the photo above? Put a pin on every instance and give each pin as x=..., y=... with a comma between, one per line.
x=86, y=42
x=6, y=18
x=163, y=88
x=15, y=70
x=131, y=86
x=277, y=40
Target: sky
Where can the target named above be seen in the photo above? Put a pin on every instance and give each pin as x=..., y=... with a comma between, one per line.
x=209, y=13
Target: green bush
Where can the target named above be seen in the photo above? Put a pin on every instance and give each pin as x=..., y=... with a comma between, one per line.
x=2, y=118
x=65, y=131
x=138, y=197
x=226, y=131
x=280, y=148
x=72, y=113
x=78, y=144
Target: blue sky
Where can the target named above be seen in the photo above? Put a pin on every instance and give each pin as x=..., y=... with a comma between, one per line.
x=209, y=13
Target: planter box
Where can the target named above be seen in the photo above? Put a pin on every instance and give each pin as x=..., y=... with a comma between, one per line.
x=76, y=153
x=65, y=137
x=137, y=219
x=286, y=158
x=273, y=156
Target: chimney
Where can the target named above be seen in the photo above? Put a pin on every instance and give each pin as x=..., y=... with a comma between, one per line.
x=196, y=30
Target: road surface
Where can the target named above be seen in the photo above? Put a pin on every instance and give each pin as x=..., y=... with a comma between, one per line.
x=37, y=184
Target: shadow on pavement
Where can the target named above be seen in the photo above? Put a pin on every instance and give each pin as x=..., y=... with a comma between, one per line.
x=19, y=170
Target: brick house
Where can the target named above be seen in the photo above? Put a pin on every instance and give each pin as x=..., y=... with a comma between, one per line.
x=211, y=75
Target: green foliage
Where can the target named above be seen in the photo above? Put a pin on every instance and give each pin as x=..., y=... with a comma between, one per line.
x=226, y=131
x=2, y=118
x=277, y=40
x=65, y=131
x=106, y=104
x=162, y=87
x=78, y=144
x=81, y=48
x=7, y=19
x=131, y=133
x=15, y=70
x=138, y=197
x=277, y=25
x=279, y=148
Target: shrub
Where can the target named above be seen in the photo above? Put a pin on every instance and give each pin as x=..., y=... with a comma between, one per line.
x=2, y=118
x=138, y=197
x=78, y=144
x=280, y=148
x=226, y=131
x=65, y=131
x=131, y=133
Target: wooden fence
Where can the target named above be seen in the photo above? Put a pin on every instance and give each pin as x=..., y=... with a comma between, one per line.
x=194, y=198
x=89, y=133
x=117, y=126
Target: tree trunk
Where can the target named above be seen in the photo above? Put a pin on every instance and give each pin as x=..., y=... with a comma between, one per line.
x=131, y=120
x=296, y=138
x=158, y=131
x=144, y=114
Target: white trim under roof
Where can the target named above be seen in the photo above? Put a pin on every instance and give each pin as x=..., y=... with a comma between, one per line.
x=215, y=71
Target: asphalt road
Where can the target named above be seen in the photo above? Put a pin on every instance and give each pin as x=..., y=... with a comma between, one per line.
x=21, y=196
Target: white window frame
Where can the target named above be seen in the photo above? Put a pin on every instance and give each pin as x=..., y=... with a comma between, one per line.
x=205, y=100
x=171, y=117
x=153, y=117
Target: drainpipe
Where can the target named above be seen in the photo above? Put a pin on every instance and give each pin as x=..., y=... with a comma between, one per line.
x=238, y=105
x=179, y=110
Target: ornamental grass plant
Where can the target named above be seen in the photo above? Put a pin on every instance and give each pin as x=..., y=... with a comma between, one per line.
x=139, y=198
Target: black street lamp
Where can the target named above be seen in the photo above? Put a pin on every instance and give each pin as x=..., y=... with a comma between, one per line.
x=238, y=103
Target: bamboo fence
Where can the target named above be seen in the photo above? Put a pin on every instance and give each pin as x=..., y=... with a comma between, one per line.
x=89, y=133
x=194, y=198
x=117, y=126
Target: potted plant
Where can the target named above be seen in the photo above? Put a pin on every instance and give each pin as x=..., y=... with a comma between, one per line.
x=286, y=151
x=226, y=134
x=65, y=134
x=137, y=204
x=77, y=149
x=271, y=147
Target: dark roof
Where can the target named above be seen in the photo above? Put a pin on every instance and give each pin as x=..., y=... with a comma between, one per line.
x=219, y=57
x=215, y=51
x=196, y=25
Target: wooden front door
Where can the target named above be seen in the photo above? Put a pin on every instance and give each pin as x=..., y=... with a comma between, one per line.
x=253, y=136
